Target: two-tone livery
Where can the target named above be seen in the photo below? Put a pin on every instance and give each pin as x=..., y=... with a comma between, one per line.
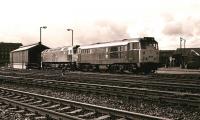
x=62, y=57
x=134, y=55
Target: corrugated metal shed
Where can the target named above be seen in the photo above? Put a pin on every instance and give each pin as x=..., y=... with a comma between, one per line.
x=27, y=56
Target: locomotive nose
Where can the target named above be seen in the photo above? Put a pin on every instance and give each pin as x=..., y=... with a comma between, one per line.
x=150, y=56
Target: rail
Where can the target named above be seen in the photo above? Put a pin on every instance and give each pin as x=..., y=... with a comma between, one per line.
x=168, y=96
x=65, y=109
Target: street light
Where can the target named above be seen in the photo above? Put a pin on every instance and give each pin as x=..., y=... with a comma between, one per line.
x=184, y=40
x=44, y=27
x=72, y=34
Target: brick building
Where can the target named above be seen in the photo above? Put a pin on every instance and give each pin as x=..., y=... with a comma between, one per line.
x=5, y=49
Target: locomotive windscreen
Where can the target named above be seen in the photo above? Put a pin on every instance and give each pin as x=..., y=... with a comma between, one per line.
x=148, y=41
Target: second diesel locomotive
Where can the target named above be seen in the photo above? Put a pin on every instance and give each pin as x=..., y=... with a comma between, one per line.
x=133, y=55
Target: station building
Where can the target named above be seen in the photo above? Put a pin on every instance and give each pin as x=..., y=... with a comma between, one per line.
x=5, y=49
x=181, y=57
x=188, y=57
x=27, y=57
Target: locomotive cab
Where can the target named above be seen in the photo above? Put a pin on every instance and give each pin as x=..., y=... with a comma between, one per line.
x=73, y=51
x=60, y=58
x=148, y=54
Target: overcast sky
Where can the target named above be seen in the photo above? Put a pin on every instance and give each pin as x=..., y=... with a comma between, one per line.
x=100, y=20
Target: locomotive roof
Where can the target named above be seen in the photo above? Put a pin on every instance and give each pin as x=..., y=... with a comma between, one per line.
x=58, y=49
x=111, y=43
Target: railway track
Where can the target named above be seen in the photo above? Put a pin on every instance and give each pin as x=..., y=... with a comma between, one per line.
x=137, y=82
x=153, y=77
x=44, y=107
x=191, y=79
x=167, y=96
x=167, y=75
x=183, y=85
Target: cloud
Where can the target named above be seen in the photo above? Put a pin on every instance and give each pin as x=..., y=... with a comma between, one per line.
x=167, y=17
x=188, y=27
x=102, y=31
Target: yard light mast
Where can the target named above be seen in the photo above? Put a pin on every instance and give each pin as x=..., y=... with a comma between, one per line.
x=43, y=27
x=72, y=34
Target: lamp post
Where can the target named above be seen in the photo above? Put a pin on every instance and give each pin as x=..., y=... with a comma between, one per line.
x=72, y=34
x=182, y=40
x=44, y=27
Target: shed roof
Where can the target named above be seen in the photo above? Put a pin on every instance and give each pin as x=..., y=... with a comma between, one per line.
x=22, y=48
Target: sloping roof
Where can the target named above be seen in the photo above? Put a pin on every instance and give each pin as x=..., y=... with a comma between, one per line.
x=188, y=51
x=112, y=43
x=22, y=48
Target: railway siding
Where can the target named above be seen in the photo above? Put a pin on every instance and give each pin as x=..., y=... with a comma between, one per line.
x=168, y=96
x=64, y=109
x=156, y=83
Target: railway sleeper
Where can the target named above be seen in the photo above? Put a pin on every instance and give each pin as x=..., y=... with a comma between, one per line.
x=30, y=114
x=75, y=111
x=28, y=100
x=40, y=118
x=44, y=104
x=20, y=111
x=36, y=102
x=104, y=117
x=53, y=106
x=63, y=109
x=87, y=115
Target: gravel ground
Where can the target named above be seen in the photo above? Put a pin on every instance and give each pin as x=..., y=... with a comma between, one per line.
x=6, y=114
x=136, y=105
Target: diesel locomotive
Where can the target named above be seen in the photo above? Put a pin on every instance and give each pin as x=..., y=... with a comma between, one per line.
x=133, y=55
